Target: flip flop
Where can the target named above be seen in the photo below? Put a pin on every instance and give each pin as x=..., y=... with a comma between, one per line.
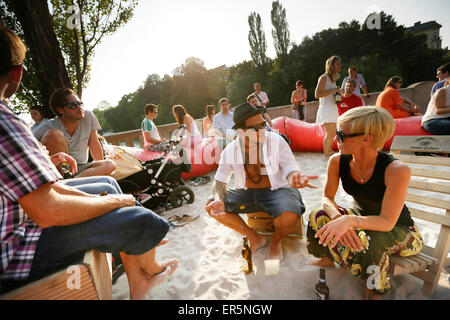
x=179, y=221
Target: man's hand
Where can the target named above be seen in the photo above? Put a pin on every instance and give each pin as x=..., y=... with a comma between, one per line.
x=125, y=200
x=297, y=180
x=59, y=157
x=216, y=208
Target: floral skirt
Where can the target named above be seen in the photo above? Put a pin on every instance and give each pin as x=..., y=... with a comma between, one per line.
x=372, y=263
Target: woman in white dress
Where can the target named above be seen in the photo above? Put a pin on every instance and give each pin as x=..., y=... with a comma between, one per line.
x=325, y=91
x=192, y=134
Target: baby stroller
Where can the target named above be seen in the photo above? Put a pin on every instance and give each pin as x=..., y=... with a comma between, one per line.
x=158, y=186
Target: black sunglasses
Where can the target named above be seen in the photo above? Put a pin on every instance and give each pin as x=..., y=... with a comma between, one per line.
x=340, y=135
x=258, y=126
x=74, y=104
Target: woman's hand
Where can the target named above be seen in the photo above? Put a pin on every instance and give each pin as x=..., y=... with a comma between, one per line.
x=335, y=230
x=59, y=157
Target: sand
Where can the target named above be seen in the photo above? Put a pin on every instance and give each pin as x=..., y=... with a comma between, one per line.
x=210, y=265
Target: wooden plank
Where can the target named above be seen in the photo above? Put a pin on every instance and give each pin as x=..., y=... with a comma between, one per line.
x=430, y=186
x=430, y=173
x=430, y=160
x=429, y=216
x=422, y=143
x=100, y=267
x=429, y=201
x=416, y=263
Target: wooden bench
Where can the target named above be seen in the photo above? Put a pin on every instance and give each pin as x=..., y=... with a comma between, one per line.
x=433, y=194
x=263, y=223
x=89, y=280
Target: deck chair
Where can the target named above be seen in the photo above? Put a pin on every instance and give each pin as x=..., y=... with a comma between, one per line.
x=88, y=280
x=431, y=196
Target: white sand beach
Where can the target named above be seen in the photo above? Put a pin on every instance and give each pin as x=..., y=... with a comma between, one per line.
x=210, y=265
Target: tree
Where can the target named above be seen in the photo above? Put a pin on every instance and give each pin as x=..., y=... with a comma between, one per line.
x=280, y=32
x=46, y=70
x=60, y=50
x=257, y=40
x=79, y=33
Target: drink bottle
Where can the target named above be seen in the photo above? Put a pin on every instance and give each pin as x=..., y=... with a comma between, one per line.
x=247, y=255
x=322, y=291
x=337, y=98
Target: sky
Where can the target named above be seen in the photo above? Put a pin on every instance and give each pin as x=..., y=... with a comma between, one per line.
x=162, y=34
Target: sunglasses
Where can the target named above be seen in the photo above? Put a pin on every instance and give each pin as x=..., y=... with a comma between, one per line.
x=258, y=126
x=74, y=104
x=341, y=136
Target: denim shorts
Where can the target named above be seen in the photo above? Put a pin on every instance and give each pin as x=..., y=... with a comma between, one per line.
x=133, y=230
x=273, y=202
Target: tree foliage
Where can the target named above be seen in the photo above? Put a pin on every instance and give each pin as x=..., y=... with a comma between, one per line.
x=82, y=29
x=34, y=21
x=257, y=40
x=280, y=31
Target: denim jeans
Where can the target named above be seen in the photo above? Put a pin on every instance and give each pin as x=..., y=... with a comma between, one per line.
x=440, y=126
x=133, y=230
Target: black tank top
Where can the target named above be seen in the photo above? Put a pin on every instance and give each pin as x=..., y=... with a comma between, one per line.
x=368, y=197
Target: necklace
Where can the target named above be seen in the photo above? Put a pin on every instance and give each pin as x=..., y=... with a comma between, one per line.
x=356, y=166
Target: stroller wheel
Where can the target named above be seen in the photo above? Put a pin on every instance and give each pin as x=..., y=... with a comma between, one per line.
x=181, y=195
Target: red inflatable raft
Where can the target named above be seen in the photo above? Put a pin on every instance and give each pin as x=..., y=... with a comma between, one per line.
x=309, y=136
x=204, y=157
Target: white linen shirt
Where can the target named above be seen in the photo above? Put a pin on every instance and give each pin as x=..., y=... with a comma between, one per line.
x=277, y=157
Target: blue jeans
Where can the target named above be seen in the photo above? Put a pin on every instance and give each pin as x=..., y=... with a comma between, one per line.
x=440, y=126
x=133, y=230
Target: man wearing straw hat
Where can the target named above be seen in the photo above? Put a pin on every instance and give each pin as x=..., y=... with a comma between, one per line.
x=266, y=177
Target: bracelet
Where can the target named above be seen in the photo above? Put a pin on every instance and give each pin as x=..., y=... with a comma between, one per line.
x=359, y=221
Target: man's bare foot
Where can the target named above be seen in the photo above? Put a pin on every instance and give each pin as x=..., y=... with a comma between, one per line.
x=257, y=242
x=324, y=262
x=147, y=282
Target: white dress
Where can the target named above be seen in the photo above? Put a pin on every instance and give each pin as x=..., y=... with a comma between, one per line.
x=328, y=112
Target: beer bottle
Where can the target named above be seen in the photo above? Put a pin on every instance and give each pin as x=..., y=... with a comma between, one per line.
x=321, y=290
x=65, y=169
x=247, y=255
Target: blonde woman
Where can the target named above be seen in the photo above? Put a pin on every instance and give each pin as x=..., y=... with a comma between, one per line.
x=379, y=224
x=325, y=91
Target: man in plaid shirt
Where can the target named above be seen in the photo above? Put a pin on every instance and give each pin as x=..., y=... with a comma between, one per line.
x=47, y=224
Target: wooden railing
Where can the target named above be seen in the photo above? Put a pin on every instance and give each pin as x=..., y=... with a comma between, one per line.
x=419, y=93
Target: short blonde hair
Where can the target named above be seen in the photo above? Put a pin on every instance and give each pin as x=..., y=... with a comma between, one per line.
x=371, y=120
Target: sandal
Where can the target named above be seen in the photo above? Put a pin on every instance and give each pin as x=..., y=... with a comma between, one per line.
x=179, y=221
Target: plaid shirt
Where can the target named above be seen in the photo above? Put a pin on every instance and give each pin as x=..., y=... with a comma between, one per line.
x=24, y=167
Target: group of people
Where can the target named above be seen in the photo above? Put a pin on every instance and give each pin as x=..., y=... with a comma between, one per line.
x=49, y=223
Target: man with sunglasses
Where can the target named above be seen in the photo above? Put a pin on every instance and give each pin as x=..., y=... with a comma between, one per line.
x=266, y=178
x=74, y=131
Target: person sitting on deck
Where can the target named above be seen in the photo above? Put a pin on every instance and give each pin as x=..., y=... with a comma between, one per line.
x=152, y=140
x=74, y=131
x=48, y=223
x=379, y=224
x=266, y=176
x=390, y=99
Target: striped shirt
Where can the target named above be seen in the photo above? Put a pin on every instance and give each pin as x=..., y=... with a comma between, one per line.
x=24, y=167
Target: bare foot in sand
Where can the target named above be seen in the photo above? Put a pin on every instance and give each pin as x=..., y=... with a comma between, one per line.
x=324, y=262
x=146, y=282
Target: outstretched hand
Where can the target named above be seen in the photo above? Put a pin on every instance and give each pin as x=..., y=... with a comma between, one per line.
x=298, y=181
